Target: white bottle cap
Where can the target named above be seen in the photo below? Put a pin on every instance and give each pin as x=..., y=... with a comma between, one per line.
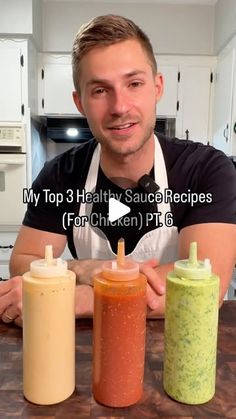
x=48, y=267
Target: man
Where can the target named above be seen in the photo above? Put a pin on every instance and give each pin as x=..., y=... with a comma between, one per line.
x=117, y=88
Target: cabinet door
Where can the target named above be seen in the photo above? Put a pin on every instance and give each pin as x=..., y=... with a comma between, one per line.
x=194, y=103
x=58, y=88
x=10, y=82
x=7, y=241
x=168, y=103
x=12, y=183
x=223, y=103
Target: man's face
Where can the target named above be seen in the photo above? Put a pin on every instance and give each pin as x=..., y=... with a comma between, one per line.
x=118, y=95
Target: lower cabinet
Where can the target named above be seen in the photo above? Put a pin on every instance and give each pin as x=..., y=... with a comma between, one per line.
x=7, y=241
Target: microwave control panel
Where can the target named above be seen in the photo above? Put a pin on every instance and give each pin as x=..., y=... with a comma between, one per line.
x=12, y=136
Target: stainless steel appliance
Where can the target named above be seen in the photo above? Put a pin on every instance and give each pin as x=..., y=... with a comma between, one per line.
x=75, y=129
x=166, y=126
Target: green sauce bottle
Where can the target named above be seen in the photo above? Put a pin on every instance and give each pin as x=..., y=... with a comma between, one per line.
x=191, y=324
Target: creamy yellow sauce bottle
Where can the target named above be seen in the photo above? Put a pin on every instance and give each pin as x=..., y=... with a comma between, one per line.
x=48, y=331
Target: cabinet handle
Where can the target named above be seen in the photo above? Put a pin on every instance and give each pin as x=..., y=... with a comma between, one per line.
x=226, y=131
x=187, y=134
x=10, y=246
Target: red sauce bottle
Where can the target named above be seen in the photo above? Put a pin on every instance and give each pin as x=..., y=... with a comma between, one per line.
x=119, y=332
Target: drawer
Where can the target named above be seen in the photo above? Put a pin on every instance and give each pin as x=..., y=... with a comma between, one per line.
x=7, y=241
x=4, y=271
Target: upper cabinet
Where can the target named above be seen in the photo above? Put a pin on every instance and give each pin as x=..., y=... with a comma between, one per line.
x=168, y=103
x=224, y=121
x=56, y=86
x=194, y=109
x=13, y=75
x=187, y=96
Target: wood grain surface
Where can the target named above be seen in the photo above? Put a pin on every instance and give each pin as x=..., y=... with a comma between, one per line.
x=154, y=403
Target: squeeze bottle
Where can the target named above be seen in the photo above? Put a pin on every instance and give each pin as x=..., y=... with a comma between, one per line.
x=48, y=330
x=119, y=332
x=191, y=324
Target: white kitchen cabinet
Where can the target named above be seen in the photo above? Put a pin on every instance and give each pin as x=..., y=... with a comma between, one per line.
x=56, y=86
x=195, y=91
x=187, y=91
x=12, y=183
x=188, y=94
x=223, y=123
x=13, y=58
x=168, y=103
x=7, y=241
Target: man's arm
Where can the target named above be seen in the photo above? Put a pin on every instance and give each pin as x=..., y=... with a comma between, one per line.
x=29, y=246
x=216, y=241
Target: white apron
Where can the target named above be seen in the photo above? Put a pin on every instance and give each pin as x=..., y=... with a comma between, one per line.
x=160, y=243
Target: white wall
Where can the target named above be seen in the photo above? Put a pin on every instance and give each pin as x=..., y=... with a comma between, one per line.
x=37, y=22
x=172, y=29
x=16, y=16
x=33, y=78
x=23, y=18
x=225, y=23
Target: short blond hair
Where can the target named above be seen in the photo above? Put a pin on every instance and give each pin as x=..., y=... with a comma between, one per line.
x=103, y=31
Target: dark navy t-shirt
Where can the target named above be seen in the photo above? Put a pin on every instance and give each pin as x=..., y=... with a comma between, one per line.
x=194, y=171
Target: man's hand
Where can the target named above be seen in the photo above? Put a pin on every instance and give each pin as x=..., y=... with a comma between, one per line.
x=11, y=300
x=84, y=301
x=156, y=287
x=85, y=269
x=155, y=284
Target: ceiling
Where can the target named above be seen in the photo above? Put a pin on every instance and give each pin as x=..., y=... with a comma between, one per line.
x=175, y=2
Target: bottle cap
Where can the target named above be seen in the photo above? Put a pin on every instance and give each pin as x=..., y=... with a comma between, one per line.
x=48, y=267
x=121, y=269
x=192, y=268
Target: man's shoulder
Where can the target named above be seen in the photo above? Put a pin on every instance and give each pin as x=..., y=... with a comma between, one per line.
x=176, y=146
x=185, y=153
x=80, y=152
x=67, y=169
x=74, y=159
x=204, y=171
